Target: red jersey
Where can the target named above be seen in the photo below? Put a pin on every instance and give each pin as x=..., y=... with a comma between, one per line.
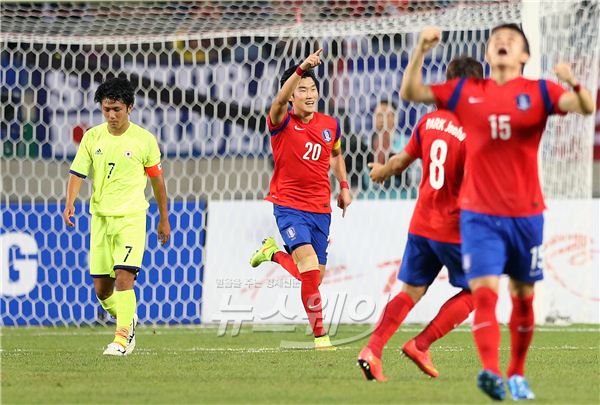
x=505, y=125
x=301, y=153
x=438, y=139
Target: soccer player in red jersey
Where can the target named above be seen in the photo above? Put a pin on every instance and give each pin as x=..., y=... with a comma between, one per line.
x=433, y=235
x=305, y=145
x=501, y=199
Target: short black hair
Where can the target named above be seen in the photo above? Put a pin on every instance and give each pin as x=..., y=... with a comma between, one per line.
x=387, y=102
x=116, y=88
x=290, y=71
x=464, y=66
x=514, y=27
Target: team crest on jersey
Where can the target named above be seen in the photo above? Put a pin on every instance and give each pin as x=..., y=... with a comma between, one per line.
x=291, y=232
x=523, y=102
x=98, y=151
x=326, y=135
x=128, y=154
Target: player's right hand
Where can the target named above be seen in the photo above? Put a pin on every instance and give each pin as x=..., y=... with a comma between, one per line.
x=312, y=61
x=69, y=213
x=164, y=231
x=428, y=38
x=378, y=174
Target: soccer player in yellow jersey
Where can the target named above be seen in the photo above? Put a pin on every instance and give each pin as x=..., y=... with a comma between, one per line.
x=121, y=155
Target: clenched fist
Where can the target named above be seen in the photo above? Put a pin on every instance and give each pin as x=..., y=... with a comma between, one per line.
x=428, y=38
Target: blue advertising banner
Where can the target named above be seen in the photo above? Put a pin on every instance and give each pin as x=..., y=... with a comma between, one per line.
x=44, y=275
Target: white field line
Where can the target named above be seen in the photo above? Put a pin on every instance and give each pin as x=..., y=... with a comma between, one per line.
x=168, y=350
x=147, y=330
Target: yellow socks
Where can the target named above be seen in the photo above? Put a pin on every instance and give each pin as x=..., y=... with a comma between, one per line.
x=110, y=305
x=125, y=308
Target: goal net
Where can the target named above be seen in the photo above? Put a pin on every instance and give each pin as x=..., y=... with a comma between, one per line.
x=205, y=73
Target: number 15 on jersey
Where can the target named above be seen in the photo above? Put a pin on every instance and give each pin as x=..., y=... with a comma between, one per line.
x=500, y=126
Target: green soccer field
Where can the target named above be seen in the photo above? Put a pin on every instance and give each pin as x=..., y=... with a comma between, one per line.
x=193, y=365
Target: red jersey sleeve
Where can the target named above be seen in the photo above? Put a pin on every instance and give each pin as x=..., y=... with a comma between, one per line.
x=443, y=92
x=551, y=93
x=275, y=129
x=413, y=147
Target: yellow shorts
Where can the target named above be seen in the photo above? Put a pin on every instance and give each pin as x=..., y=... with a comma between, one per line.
x=117, y=243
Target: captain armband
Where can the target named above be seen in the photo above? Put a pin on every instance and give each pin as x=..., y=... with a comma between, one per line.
x=154, y=171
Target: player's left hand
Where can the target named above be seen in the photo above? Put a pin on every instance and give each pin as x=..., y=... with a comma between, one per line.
x=312, y=61
x=164, y=231
x=564, y=73
x=344, y=200
x=378, y=173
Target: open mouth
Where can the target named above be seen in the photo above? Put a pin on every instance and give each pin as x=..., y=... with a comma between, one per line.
x=502, y=52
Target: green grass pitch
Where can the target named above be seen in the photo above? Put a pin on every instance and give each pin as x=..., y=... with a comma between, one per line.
x=193, y=365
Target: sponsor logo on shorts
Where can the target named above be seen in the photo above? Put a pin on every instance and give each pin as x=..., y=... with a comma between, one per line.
x=326, y=135
x=291, y=232
x=466, y=262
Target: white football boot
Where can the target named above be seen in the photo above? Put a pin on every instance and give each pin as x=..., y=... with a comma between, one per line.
x=114, y=349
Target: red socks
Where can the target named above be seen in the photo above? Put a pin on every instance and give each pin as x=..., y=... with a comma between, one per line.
x=486, y=330
x=521, y=332
x=311, y=299
x=285, y=260
x=451, y=314
x=393, y=315
x=487, y=333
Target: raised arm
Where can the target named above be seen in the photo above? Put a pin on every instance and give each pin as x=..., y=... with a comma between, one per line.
x=160, y=195
x=412, y=88
x=280, y=104
x=580, y=99
x=73, y=186
x=338, y=167
x=396, y=165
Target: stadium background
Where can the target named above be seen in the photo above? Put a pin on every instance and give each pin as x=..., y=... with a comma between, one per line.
x=205, y=74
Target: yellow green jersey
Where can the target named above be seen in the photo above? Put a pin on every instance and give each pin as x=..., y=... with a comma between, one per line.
x=118, y=168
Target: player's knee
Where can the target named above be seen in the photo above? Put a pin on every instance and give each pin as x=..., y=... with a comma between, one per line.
x=103, y=293
x=491, y=282
x=520, y=288
x=308, y=263
x=414, y=292
x=124, y=279
x=103, y=286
